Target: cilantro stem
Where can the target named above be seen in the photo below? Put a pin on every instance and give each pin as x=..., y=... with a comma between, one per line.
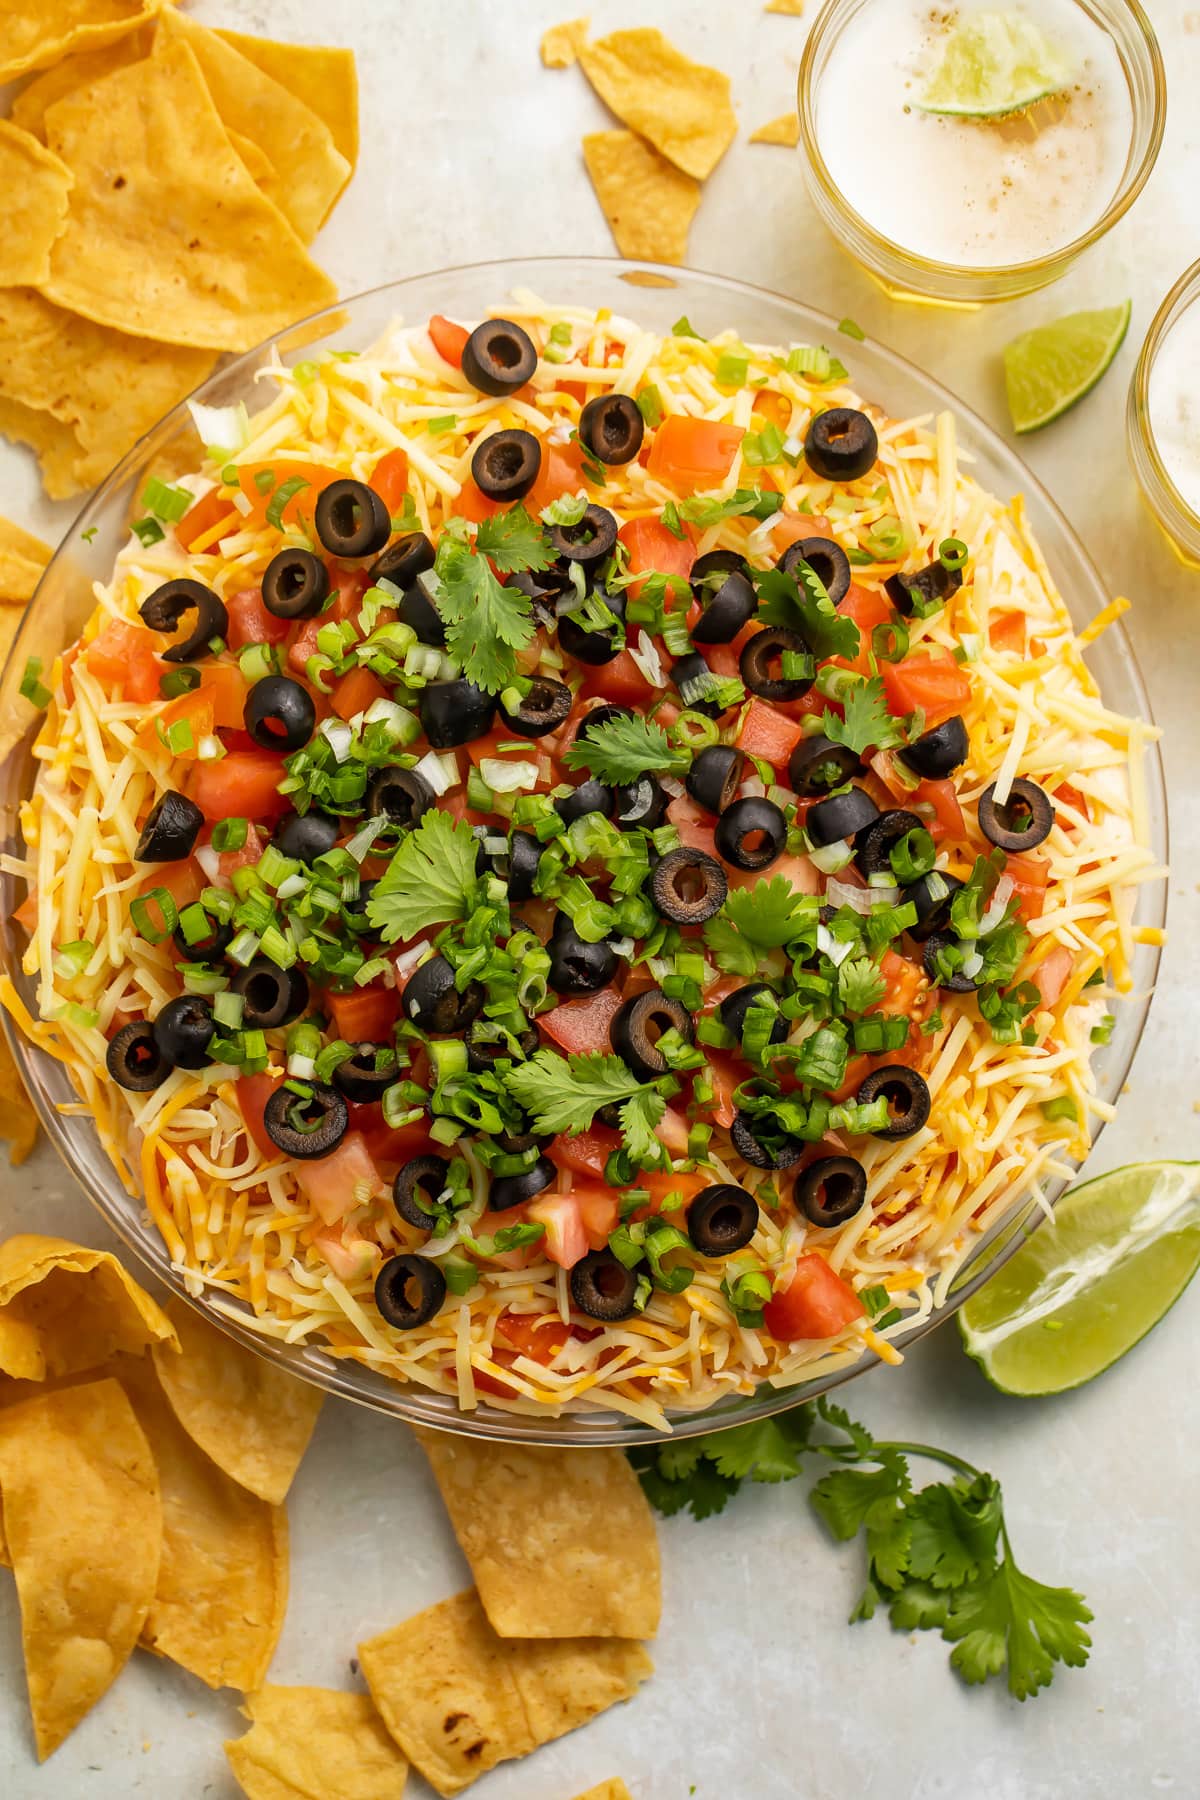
x=945, y=1457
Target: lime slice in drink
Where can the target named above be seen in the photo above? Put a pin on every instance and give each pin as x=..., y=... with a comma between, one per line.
x=1048, y=369
x=994, y=63
x=1082, y=1291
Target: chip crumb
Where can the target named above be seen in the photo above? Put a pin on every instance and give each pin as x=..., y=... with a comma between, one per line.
x=791, y=9
x=783, y=130
x=561, y=44
x=648, y=202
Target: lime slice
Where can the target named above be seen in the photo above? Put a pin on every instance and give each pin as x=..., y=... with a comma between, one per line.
x=1082, y=1291
x=1048, y=369
x=994, y=63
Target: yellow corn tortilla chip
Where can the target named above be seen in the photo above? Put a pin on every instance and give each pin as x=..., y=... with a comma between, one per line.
x=18, y=1120
x=783, y=130
x=34, y=186
x=84, y=1306
x=561, y=1543
x=458, y=1699
x=310, y=1743
x=309, y=170
x=560, y=45
x=84, y=1532
x=323, y=77
x=792, y=9
x=36, y=33
x=58, y=451
x=23, y=558
x=259, y=166
x=681, y=107
x=252, y=1419
x=648, y=202
x=608, y=1790
x=167, y=236
x=29, y=107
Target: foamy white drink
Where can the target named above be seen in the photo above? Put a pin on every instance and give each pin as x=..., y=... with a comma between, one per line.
x=1174, y=404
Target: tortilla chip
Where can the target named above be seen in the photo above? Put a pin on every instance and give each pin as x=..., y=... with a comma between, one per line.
x=167, y=236
x=18, y=1120
x=29, y=107
x=561, y=44
x=84, y=1530
x=23, y=559
x=309, y=170
x=648, y=202
x=682, y=107
x=310, y=1743
x=84, y=1306
x=458, y=1699
x=259, y=167
x=783, y=130
x=324, y=78
x=252, y=1419
x=608, y=1790
x=58, y=452
x=561, y=1543
x=791, y=8
x=34, y=186
x=36, y=33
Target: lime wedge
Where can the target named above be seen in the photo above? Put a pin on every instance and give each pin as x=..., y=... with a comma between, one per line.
x=1048, y=369
x=1083, y=1290
x=994, y=63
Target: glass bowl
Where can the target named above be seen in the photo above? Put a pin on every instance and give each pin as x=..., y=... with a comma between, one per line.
x=903, y=273
x=64, y=600
x=1179, y=521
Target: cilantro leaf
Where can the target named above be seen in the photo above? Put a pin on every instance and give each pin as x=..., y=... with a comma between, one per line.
x=486, y=622
x=955, y=1527
x=678, y=1461
x=771, y=913
x=429, y=880
x=513, y=540
x=860, y=984
x=1010, y=1620
x=709, y=509
x=846, y=1499
x=620, y=750
x=563, y=1093
x=769, y=1450
x=861, y=1441
x=732, y=953
x=640, y=1115
x=799, y=600
x=868, y=723
x=918, y=1607
x=697, y=1487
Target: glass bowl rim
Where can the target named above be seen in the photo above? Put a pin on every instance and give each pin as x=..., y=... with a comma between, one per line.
x=1171, y=310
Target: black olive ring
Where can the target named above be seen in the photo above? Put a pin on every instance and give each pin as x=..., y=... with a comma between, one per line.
x=401, y=796
x=305, y=836
x=591, y=796
x=827, y=560
x=761, y=664
x=420, y=1175
x=752, y=833
x=409, y=1290
x=841, y=816
x=367, y=1074
x=455, y=712
x=183, y=1030
x=513, y=1190
x=611, y=428
x=433, y=1003
x=875, y=842
x=640, y=1022
x=841, y=444
x=938, y=751
x=165, y=607
x=279, y=714
x=642, y=803
x=603, y=1288
x=715, y=776
x=172, y=826
x=498, y=357
x=272, y=996
x=751, y=1151
x=544, y=708
x=688, y=886
x=135, y=1058
x=295, y=584
x=577, y=967
x=594, y=647
x=589, y=540
x=351, y=519
x=1023, y=821
x=506, y=464
x=722, y=1219
x=933, y=586
x=324, y=1114
x=831, y=1190
x=725, y=606
x=907, y=1096
x=734, y=1007
x=401, y=563
x=931, y=896
x=817, y=765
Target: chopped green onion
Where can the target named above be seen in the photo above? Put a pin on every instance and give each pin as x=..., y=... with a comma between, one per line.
x=194, y=924
x=953, y=554
x=31, y=688
x=143, y=918
x=913, y=856
x=331, y=1058
x=71, y=960
x=228, y=1009
x=264, y=480
x=85, y=1017
x=650, y=406
x=147, y=532
x=852, y=330
x=889, y=641
x=1063, y=1107
x=169, y=503
x=1102, y=1033
x=257, y=661
x=175, y=682
x=732, y=369
x=279, y=499
x=683, y=327
x=442, y=424
x=229, y=834
x=281, y=950
x=178, y=737
x=243, y=949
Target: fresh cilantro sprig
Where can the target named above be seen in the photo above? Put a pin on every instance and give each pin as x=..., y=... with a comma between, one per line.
x=429, y=881
x=800, y=602
x=620, y=750
x=868, y=724
x=564, y=1093
x=939, y=1557
x=486, y=622
x=764, y=917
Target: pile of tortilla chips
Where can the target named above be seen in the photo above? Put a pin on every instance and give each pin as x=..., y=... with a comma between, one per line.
x=160, y=184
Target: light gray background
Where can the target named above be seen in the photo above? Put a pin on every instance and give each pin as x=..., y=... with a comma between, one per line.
x=470, y=150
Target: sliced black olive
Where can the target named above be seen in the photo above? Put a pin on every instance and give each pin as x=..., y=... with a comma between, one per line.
x=416, y=610
x=208, y=949
x=168, y=604
x=603, y=1288
x=752, y=833
x=1022, y=822
x=817, y=765
x=434, y=1004
x=781, y=1156
x=351, y=519
x=519, y=865
x=611, y=428
x=932, y=586
x=498, y=357
x=734, y=1007
x=455, y=712
x=638, y=1025
x=599, y=715
x=722, y=1219
x=725, y=595
x=183, y=1030
x=874, y=844
x=831, y=1190
x=938, y=751
x=714, y=776
x=505, y=465
x=545, y=588
x=307, y=1125
x=409, y=1291
x=841, y=444
x=761, y=664
x=688, y=886
x=841, y=816
x=135, y=1059
x=589, y=540
x=401, y=795
x=487, y=1045
x=906, y=1094
x=544, y=709
x=827, y=560
x=279, y=714
x=520, y=1143
x=367, y=1074
x=401, y=563
x=273, y=996
x=512, y=1190
x=591, y=796
x=958, y=983
x=421, y=1178
x=641, y=804
x=594, y=647
x=577, y=967
x=931, y=896
x=693, y=677
x=295, y=585
x=172, y=826
x=305, y=836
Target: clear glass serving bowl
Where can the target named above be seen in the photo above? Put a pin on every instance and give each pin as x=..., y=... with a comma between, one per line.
x=657, y=297
x=1178, y=520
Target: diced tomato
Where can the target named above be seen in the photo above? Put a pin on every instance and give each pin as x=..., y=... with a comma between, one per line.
x=226, y=688
x=348, y=1256
x=1051, y=975
x=1070, y=795
x=195, y=710
x=251, y=623
x=1029, y=875
x=620, y=681
x=904, y=982
x=208, y=511
x=244, y=858
x=932, y=681
x=387, y=1143
x=365, y=1015
x=947, y=820
x=694, y=831
x=665, y=1184
x=799, y=872
x=448, y=339
x=337, y=1183
x=27, y=913
x=585, y=1152
x=816, y=1303
x=243, y=785
x=693, y=453
x=355, y=692
x=182, y=880
x=598, y=1208
x=1007, y=632
x=767, y=733
x=773, y=409
x=473, y=505
x=581, y=1025
x=566, y=1240
x=651, y=546
x=299, y=507
x=790, y=530
x=673, y=1132
x=389, y=478
x=867, y=607
x=560, y=472
x=532, y=1334
x=124, y=654
x=726, y=1074
x=253, y=1092
x=857, y=1070
x=351, y=586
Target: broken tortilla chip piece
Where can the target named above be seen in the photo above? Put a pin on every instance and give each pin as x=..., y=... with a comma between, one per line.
x=648, y=202
x=34, y=186
x=18, y=1120
x=29, y=107
x=783, y=130
x=23, y=558
x=307, y=1741
x=561, y=44
x=83, y=1525
x=167, y=236
x=36, y=33
x=792, y=9
x=607, y=1790
x=252, y=1419
x=681, y=107
x=84, y=1306
x=561, y=1543
x=58, y=452
x=458, y=1699
x=323, y=77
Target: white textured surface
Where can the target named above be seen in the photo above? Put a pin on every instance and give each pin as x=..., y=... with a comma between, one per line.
x=762, y=1692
